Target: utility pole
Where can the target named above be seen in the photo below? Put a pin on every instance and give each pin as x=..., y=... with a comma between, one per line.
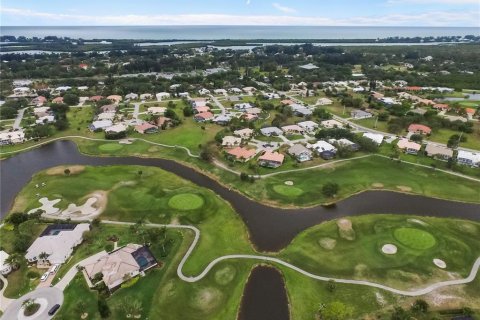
x=375, y=125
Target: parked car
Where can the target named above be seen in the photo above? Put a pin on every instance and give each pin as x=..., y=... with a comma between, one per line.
x=45, y=276
x=54, y=309
x=54, y=268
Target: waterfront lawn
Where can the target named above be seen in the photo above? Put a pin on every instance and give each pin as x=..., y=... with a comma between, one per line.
x=133, y=197
x=359, y=175
x=457, y=242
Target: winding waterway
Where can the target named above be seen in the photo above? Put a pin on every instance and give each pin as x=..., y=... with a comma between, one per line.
x=270, y=228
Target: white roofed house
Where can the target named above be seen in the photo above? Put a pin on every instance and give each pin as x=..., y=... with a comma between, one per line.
x=329, y=124
x=300, y=153
x=156, y=110
x=468, y=158
x=344, y=143
x=222, y=119
x=203, y=92
x=324, y=102
x=408, y=146
x=12, y=137
x=100, y=125
x=117, y=128
x=324, y=149
x=131, y=96
x=146, y=96
x=41, y=111
x=231, y=142
x=162, y=95
x=360, y=114
x=438, y=151
x=246, y=133
x=300, y=110
x=308, y=126
x=293, y=129
x=5, y=268
x=375, y=137
x=58, y=242
x=249, y=90
x=45, y=119
x=235, y=90
x=271, y=131
x=220, y=92
x=242, y=106
x=106, y=116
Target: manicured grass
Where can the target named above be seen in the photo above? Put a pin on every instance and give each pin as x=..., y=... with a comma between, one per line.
x=186, y=201
x=358, y=175
x=468, y=104
x=414, y=238
x=18, y=282
x=372, y=123
x=110, y=147
x=289, y=191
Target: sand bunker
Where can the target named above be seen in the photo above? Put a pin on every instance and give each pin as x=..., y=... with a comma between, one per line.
x=345, y=229
x=86, y=209
x=420, y=222
x=125, y=141
x=389, y=248
x=289, y=183
x=60, y=170
x=440, y=263
x=404, y=188
x=377, y=185
x=327, y=243
x=48, y=206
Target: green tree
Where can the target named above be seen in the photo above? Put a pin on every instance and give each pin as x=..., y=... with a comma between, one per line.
x=330, y=189
x=71, y=99
x=15, y=260
x=420, y=306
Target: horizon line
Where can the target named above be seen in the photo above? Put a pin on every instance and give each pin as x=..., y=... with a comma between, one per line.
x=235, y=25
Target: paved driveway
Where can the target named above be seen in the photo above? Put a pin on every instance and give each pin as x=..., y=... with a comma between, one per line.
x=48, y=297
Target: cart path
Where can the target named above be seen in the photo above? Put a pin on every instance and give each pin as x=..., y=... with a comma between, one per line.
x=191, y=279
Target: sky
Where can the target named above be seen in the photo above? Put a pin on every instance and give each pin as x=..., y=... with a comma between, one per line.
x=462, y=13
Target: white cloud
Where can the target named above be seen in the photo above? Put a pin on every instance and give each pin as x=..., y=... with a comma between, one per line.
x=248, y=2
x=432, y=18
x=284, y=9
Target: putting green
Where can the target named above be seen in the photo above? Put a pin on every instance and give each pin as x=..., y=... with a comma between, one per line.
x=288, y=191
x=110, y=147
x=185, y=201
x=414, y=238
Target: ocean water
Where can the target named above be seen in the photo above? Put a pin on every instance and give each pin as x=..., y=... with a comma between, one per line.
x=234, y=32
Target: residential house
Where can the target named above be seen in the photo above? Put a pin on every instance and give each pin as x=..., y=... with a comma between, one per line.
x=235, y=90
x=12, y=137
x=100, y=125
x=438, y=152
x=468, y=158
x=106, y=116
x=162, y=95
x=271, y=159
x=408, y=146
x=271, y=95
x=242, y=106
x=300, y=152
x=287, y=102
x=271, y=131
x=300, y=110
x=146, y=96
x=419, y=129
x=95, y=98
x=441, y=106
x=293, y=129
x=131, y=96
x=41, y=111
x=329, y=124
x=117, y=128
x=115, y=98
x=322, y=146
x=344, y=143
x=375, y=137
x=38, y=101
x=45, y=119
x=198, y=102
x=470, y=113
x=249, y=117
x=360, y=114
x=57, y=100
x=121, y=265
x=231, y=142
x=244, y=133
x=242, y=154
x=308, y=126
x=163, y=122
x=222, y=119
x=220, y=92
x=203, y=92
x=57, y=241
x=254, y=111
x=156, y=110
x=324, y=102
x=111, y=108
x=146, y=128
x=249, y=90
x=5, y=268
x=201, y=109
x=204, y=116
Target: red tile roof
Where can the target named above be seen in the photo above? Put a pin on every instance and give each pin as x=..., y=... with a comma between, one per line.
x=414, y=127
x=272, y=156
x=242, y=153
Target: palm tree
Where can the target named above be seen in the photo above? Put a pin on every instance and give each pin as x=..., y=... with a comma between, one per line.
x=132, y=308
x=43, y=256
x=14, y=260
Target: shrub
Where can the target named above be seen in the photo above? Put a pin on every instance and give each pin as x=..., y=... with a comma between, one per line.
x=33, y=274
x=103, y=308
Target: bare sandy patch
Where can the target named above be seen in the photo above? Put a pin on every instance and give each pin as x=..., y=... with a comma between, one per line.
x=377, y=185
x=439, y=263
x=417, y=221
x=345, y=229
x=389, y=249
x=153, y=149
x=125, y=141
x=288, y=183
x=60, y=170
x=404, y=188
x=327, y=243
x=207, y=299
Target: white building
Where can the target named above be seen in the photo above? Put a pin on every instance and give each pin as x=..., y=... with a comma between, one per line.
x=329, y=124
x=100, y=125
x=156, y=110
x=375, y=137
x=131, y=96
x=203, y=92
x=231, y=142
x=308, y=126
x=5, y=268
x=45, y=119
x=242, y=106
x=321, y=146
x=468, y=158
x=324, y=102
x=58, y=242
x=12, y=137
x=162, y=95
x=117, y=128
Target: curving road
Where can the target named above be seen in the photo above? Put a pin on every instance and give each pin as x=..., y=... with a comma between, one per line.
x=411, y=293
x=49, y=297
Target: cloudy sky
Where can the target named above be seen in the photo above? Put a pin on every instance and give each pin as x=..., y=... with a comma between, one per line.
x=241, y=12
